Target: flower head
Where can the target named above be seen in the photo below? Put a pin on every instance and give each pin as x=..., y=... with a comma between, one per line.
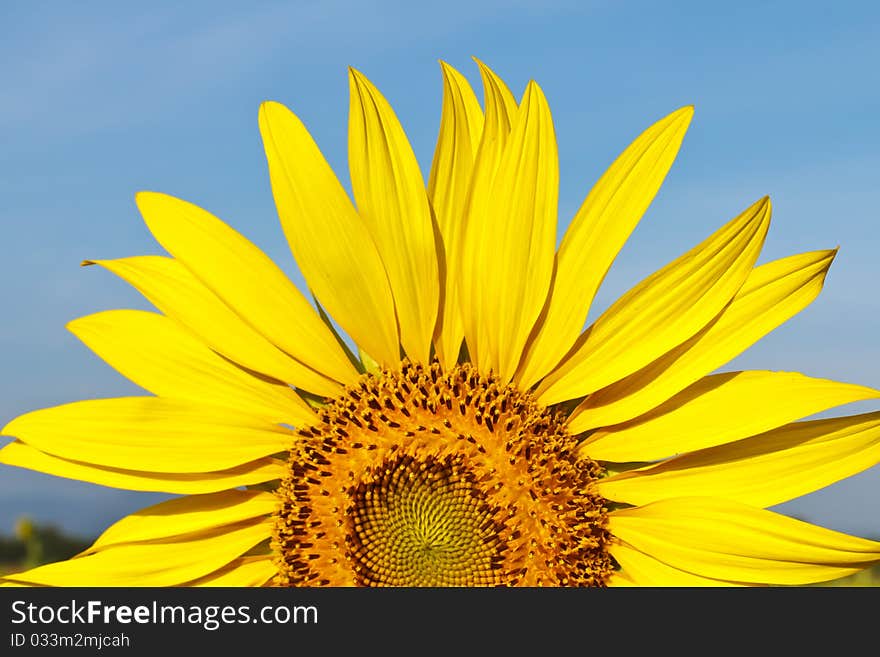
x=454, y=424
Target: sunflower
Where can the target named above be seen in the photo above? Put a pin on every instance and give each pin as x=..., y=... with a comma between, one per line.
x=439, y=415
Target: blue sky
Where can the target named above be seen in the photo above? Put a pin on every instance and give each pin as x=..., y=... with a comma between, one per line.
x=101, y=99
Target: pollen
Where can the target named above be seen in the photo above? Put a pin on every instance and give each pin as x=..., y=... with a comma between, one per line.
x=425, y=477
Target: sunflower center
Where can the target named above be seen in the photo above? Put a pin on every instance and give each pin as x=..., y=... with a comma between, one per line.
x=421, y=477
x=423, y=523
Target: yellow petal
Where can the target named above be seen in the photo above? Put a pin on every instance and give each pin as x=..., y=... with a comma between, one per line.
x=619, y=579
x=501, y=108
x=640, y=569
x=719, y=409
x=514, y=247
x=390, y=195
x=461, y=124
x=151, y=564
x=150, y=433
x=266, y=469
x=761, y=471
x=726, y=540
x=771, y=294
x=502, y=102
x=187, y=515
x=171, y=287
x=663, y=311
x=599, y=229
x=331, y=244
x=247, y=280
x=367, y=363
x=159, y=355
x=244, y=571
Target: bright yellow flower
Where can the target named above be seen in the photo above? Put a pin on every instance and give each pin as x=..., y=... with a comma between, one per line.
x=479, y=436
